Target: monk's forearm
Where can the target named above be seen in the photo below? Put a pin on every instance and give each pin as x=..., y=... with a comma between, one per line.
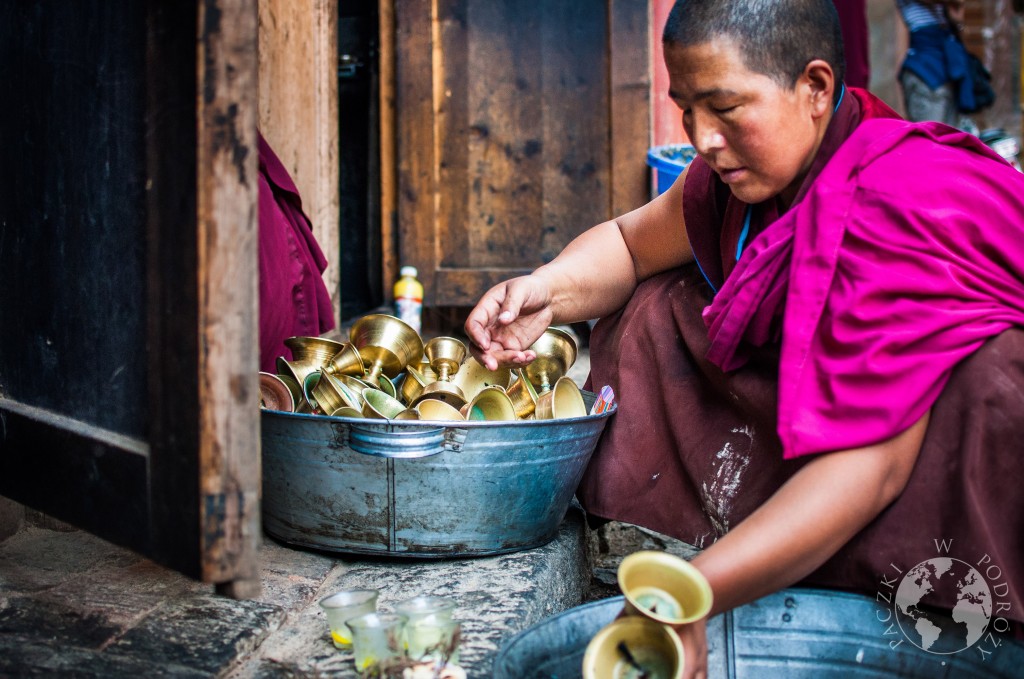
x=592, y=277
x=808, y=519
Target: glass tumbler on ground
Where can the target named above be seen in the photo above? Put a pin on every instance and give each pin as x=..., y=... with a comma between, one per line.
x=377, y=640
x=343, y=606
x=433, y=638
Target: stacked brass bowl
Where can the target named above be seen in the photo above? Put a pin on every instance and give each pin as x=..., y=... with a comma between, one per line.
x=385, y=371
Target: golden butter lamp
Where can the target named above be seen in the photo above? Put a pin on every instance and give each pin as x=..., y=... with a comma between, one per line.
x=381, y=406
x=346, y=361
x=386, y=344
x=523, y=396
x=493, y=404
x=297, y=370
x=331, y=394
x=473, y=376
x=318, y=350
x=556, y=353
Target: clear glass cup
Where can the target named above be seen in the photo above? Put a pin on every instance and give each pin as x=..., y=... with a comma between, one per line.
x=420, y=606
x=343, y=606
x=377, y=640
x=433, y=638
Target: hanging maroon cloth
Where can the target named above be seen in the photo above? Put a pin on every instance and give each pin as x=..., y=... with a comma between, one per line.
x=293, y=298
x=694, y=450
x=853, y=18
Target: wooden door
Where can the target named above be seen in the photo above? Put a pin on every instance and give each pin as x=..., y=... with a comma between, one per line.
x=128, y=294
x=518, y=125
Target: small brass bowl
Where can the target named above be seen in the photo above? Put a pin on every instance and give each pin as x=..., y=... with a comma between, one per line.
x=347, y=411
x=492, y=403
x=408, y=414
x=656, y=648
x=433, y=409
x=442, y=391
x=316, y=350
x=387, y=344
x=297, y=370
x=523, y=395
x=445, y=355
x=565, y=400
x=556, y=353
x=412, y=384
x=381, y=406
x=346, y=362
x=664, y=588
x=473, y=377
x=310, y=381
x=275, y=394
x=298, y=399
x=355, y=387
x=330, y=394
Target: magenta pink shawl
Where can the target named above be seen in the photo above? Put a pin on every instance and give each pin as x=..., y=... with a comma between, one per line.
x=903, y=257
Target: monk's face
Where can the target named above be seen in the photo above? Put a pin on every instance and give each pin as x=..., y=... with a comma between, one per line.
x=758, y=136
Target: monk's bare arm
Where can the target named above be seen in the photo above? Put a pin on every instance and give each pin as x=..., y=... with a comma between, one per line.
x=800, y=527
x=592, y=277
x=597, y=273
x=809, y=519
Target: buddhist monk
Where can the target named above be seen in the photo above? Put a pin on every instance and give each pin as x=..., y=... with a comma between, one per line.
x=814, y=334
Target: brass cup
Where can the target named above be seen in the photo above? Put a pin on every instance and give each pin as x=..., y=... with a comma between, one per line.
x=316, y=350
x=308, y=383
x=429, y=375
x=275, y=394
x=386, y=344
x=433, y=409
x=445, y=355
x=330, y=394
x=664, y=588
x=297, y=370
x=492, y=403
x=523, y=395
x=655, y=648
x=565, y=400
x=347, y=411
x=355, y=387
x=387, y=386
x=408, y=414
x=346, y=362
x=442, y=391
x=556, y=353
x=464, y=411
x=298, y=398
x=381, y=406
x=412, y=385
x=474, y=377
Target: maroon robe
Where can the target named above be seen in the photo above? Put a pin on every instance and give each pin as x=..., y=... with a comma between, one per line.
x=294, y=301
x=693, y=450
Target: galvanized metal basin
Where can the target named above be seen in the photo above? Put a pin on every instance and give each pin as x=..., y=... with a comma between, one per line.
x=421, y=489
x=798, y=633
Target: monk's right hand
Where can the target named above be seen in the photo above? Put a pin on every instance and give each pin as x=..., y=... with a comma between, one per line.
x=507, y=320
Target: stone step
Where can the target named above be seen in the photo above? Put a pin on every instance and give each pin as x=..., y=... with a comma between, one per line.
x=71, y=603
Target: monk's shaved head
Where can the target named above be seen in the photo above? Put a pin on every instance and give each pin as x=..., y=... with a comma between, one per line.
x=777, y=38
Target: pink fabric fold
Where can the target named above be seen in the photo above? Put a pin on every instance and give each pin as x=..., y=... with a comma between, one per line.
x=885, y=276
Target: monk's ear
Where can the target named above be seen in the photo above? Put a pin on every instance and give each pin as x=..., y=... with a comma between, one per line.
x=819, y=82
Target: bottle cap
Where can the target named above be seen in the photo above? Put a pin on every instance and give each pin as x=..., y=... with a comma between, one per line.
x=408, y=271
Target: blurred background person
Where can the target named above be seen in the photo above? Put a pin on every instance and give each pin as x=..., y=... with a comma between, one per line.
x=935, y=60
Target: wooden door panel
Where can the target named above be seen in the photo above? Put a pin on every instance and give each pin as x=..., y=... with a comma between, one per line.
x=127, y=276
x=506, y=134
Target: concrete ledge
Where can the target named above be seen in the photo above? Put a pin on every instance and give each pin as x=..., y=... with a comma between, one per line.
x=71, y=603
x=496, y=597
